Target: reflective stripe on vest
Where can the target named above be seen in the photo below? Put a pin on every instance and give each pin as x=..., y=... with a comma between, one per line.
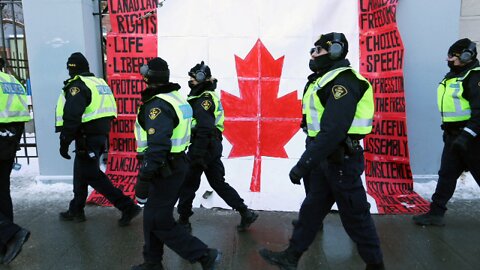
x=219, y=112
x=452, y=106
x=102, y=104
x=181, y=133
x=140, y=137
x=362, y=122
x=13, y=100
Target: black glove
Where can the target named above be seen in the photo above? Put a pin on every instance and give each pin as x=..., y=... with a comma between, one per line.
x=141, y=191
x=297, y=173
x=151, y=170
x=64, y=144
x=303, y=124
x=461, y=143
x=147, y=172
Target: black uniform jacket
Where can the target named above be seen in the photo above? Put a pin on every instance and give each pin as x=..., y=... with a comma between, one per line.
x=158, y=118
x=77, y=98
x=204, y=114
x=337, y=117
x=471, y=92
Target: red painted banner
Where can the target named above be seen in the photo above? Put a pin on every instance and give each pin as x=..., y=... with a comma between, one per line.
x=132, y=42
x=387, y=160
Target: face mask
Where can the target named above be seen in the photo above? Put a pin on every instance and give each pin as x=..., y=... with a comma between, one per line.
x=320, y=63
x=191, y=84
x=453, y=68
x=72, y=72
x=451, y=64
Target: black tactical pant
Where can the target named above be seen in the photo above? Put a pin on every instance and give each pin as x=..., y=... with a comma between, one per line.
x=453, y=164
x=8, y=149
x=86, y=171
x=215, y=173
x=7, y=227
x=338, y=182
x=159, y=226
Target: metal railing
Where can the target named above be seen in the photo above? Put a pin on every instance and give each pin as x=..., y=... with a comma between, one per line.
x=13, y=51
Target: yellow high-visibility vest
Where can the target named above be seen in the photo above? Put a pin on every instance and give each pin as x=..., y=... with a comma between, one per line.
x=13, y=100
x=313, y=108
x=102, y=105
x=219, y=112
x=181, y=133
x=451, y=104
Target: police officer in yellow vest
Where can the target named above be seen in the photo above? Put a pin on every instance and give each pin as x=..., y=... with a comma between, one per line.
x=163, y=134
x=339, y=113
x=84, y=110
x=13, y=115
x=205, y=152
x=458, y=97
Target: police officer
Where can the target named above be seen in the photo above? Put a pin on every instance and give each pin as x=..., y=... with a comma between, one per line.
x=459, y=106
x=339, y=113
x=163, y=133
x=206, y=150
x=83, y=114
x=13, y=115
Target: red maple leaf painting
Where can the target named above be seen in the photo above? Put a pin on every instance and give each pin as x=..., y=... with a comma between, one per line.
x=259, y=123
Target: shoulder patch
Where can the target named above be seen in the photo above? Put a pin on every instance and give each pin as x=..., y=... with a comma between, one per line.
x=206, y=104
x=74, y=90
x=154, y=112
x=151, y=131
x=339, y=91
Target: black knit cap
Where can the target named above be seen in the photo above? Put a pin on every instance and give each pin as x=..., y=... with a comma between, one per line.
x=459, y=46
x=77, y=62
x=197, y=67
x=325, y=41
x=157, y=71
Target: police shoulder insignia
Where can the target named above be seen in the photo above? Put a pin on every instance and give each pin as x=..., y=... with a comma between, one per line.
x=154, y=112
x=206, y=104
x=74, y=90
x=151, y=131
x=339, y=91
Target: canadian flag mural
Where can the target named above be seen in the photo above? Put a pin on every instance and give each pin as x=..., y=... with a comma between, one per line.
x=259, y=52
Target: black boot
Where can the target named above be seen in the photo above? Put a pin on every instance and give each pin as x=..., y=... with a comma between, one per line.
x=210, y=260
x=128, y=214
x=248, y=217
x=429, y=219
x=72, y=216
x=14, y=245
x=185, y=223
x=375, y=266
x=286, y=260
x=148, y=266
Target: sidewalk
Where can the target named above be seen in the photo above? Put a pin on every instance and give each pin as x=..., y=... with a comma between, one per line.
x=99, y=243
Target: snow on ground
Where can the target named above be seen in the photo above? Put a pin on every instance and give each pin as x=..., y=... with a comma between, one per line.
x=24, y=187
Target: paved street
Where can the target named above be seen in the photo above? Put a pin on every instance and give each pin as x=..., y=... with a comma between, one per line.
x=100, y=244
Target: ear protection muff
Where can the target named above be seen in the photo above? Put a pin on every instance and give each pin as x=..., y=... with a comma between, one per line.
x=336, y=49
x=200, y=75
x=468, y=53
x=148, y=73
